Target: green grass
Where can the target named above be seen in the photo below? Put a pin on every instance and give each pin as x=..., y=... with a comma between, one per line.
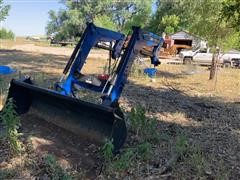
x=53, y=169
x=12, y=123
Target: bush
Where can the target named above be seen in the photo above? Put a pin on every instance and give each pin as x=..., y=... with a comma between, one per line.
x=143, y=127
x=12, y=123
x=145, y=130
x=53, y=169
x=6, y=34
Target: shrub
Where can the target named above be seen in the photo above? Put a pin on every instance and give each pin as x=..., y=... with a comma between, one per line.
x=53, y=169
x=6, y=34
x=11, y=122
x=144, y=128
x=107, y=151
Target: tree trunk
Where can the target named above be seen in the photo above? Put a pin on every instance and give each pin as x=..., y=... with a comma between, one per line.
x=214, y=65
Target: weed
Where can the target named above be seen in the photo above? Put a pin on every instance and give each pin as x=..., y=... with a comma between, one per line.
x=107, y=151
x=222, y=172
x=1, y=92
x=137, y=119
x=53, y=169
x=145, y=128
x=125, y=160
x=197, y=162
x=182, y=145
x=144, y=151
x=129, y=157
x=137, y=71
x=8, y=173
x=12, y=123
x=164, y=136
x=111, y=162
x=190, y=155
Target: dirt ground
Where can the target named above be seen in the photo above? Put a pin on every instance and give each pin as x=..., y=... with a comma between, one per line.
x=181, y=97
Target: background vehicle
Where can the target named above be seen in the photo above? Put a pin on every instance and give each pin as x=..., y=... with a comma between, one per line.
x=231, y=59
x=199, y=56
x=204, y=57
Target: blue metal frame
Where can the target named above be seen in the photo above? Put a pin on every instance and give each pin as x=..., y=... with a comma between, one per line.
x=138, y=39
x=91, y=37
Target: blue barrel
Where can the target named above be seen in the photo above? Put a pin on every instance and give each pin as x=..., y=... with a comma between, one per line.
x=4, y=70
x=151, y=72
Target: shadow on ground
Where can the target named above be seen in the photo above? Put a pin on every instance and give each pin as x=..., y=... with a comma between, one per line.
x=209, y=123
x=33, y=62
x=70, y=150
x=166, y=74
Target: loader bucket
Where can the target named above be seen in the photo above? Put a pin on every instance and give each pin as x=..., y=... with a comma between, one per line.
x=92, y=122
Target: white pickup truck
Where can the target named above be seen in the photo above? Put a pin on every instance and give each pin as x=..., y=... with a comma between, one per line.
x=204, y=57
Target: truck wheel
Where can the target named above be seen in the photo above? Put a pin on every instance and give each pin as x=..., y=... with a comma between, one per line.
x=187, y=61
x=227, y=65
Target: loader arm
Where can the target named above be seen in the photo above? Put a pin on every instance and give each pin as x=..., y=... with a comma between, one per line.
x=138, y=40
x=91, y=36
x=112, y=89
x=91, y=121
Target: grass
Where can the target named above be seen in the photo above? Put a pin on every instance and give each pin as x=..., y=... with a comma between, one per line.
x=143, y=133
x=42, y=43
x=226, y=86
x=8, y=173
x=144, y=128
x=45, y=167
x=141, y=152
x=8, y=44
x=53, y=169
x=11, y=121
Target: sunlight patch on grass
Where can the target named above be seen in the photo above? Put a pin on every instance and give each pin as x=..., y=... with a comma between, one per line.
x=179, y=118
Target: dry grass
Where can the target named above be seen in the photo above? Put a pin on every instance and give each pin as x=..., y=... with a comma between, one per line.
x=8, y=44
x=194, y=81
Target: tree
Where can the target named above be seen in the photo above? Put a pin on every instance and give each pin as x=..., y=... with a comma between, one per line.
x=131, y=13
x=171, y=15
x=115, y=15
x=70, y=22
x=4, y=9
x=106, y=22
x=207, y=24
x=57, y=24
x=200, y=17
x=231, y=12
x=140, y=17
x=6, y=34
x=169, y=23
